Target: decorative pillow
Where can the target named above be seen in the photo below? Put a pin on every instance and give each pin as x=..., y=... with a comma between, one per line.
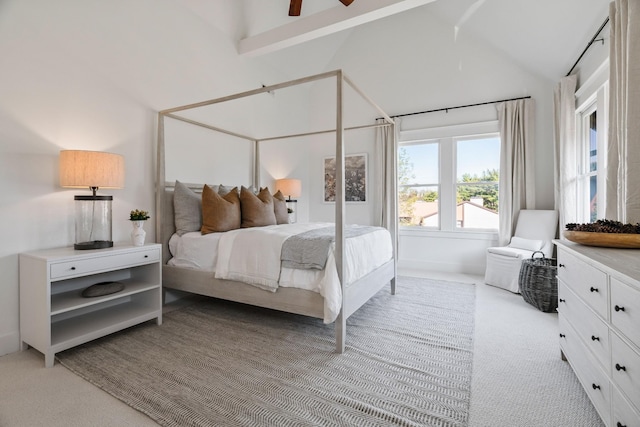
x=528, y=244
x=219, y=213
x=225, y=189
x=257, y=211
x=187, y=208
x=280, y=208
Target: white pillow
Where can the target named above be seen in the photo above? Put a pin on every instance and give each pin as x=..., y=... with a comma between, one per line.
x=528, y=244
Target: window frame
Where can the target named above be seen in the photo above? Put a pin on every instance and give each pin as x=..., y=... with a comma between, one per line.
x=447, y=137
x=597, y=102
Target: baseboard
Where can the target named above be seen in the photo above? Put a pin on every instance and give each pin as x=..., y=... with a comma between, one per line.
x=442, y=267
x=9, y=343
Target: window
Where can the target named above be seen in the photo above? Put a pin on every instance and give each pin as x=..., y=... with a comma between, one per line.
x=448, y=177
x=591, y=120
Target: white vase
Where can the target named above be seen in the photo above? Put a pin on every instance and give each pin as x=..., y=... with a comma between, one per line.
x=138, y=234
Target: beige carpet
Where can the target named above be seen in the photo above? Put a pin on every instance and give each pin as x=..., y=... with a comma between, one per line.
x=408, y=362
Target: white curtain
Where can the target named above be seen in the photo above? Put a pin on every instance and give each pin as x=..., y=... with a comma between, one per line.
x=623, y=154
x=565, y=150
x=517, y=177
x=387, y=157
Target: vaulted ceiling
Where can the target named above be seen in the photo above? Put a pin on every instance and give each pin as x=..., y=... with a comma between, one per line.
x=544, y=36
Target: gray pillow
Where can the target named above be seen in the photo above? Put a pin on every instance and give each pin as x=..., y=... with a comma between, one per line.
x=223, y=190
x=187, y=208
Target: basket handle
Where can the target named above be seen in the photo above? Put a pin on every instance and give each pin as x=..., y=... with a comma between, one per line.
x=537, y=252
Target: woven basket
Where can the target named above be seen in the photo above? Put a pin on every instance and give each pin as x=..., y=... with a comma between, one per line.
x=538, y=282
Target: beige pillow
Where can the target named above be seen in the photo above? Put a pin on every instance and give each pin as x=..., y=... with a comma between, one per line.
x=257, y=211
x=219, y=213
x=280, y=208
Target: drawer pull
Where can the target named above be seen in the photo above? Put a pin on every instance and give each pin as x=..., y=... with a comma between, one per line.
x=594, y=289
x=595, y=387
x=146, y=256
x=620, y=368
x=618, y=308
x=560, y=265
x=562, y=335
x=594, y=338
x=619, y=424
x=562, y=300
x=73, y=268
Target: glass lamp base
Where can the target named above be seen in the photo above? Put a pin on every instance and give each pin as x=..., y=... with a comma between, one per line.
x=93, y=222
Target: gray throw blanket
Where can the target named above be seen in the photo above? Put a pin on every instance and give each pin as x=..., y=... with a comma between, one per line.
x=310, y=250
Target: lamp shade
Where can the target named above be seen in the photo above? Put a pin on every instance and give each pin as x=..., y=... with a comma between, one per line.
x=289, y=187
x=86, y=169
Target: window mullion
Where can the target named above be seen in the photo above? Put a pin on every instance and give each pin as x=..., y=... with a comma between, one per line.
x=447, y=185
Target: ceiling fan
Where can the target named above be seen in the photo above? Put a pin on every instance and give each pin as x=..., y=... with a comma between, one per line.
x=296, y=6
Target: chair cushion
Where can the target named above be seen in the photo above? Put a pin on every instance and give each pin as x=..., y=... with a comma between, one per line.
x=528, y=244
x=510, y=252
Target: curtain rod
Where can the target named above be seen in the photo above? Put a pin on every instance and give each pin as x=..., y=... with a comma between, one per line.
x=593, y=39
x=459, y=106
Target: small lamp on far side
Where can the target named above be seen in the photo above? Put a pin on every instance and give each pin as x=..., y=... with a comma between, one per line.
x=92, y=170
x=290, y=188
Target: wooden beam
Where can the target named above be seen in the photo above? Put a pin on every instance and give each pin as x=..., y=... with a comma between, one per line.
x=346, y=2
x=323, y=23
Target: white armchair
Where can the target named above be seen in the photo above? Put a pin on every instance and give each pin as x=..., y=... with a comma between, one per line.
x=535, y=229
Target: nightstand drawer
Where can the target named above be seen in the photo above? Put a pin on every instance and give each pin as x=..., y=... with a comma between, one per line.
x=587, y=282
x=90, y=265
x=625, y=310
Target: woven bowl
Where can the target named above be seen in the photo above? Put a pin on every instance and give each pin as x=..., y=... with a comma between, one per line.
x=604, y=240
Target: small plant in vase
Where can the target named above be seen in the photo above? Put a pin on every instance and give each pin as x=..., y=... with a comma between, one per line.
x=137, y=218
x=138, y=215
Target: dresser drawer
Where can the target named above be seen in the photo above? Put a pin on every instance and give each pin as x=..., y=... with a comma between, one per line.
x=586, y=281
x=591, y=376
x=102, y=262
x=623, y=414
x=625, y=369
x=593, y=331
x=625, y=310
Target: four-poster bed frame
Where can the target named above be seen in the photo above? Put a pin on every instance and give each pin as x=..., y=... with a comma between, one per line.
x=292, y=300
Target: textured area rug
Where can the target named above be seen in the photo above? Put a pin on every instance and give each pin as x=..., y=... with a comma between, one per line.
x=214, y=363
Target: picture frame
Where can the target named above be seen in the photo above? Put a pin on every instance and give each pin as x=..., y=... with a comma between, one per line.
x=355, y=183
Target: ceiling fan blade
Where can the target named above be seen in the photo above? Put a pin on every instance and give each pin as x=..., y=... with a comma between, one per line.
x=346, y=2
x=295, y=7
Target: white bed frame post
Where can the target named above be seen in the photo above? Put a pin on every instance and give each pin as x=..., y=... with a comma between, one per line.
x=256, y=164
x=160, y=180
x=341, y=321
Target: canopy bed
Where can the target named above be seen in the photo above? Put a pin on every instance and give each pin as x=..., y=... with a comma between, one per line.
x=347, y=281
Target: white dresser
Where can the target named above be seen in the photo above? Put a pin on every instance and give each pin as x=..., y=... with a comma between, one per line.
x=53, y=314
x=599, y=325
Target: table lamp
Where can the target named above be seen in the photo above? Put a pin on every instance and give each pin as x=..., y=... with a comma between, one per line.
x=290, y=188
x=93, y=170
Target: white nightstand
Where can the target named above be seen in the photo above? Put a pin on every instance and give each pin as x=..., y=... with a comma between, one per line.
x=54, y=316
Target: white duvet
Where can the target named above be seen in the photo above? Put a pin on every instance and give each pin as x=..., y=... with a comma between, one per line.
x=252, y=255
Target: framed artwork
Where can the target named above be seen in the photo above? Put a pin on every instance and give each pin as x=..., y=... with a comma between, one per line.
x=355, y=183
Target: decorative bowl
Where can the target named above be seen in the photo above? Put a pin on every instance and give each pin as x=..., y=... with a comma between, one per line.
x=604, y=240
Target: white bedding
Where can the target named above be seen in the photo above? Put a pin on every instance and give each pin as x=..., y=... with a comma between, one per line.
x=252, y=255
